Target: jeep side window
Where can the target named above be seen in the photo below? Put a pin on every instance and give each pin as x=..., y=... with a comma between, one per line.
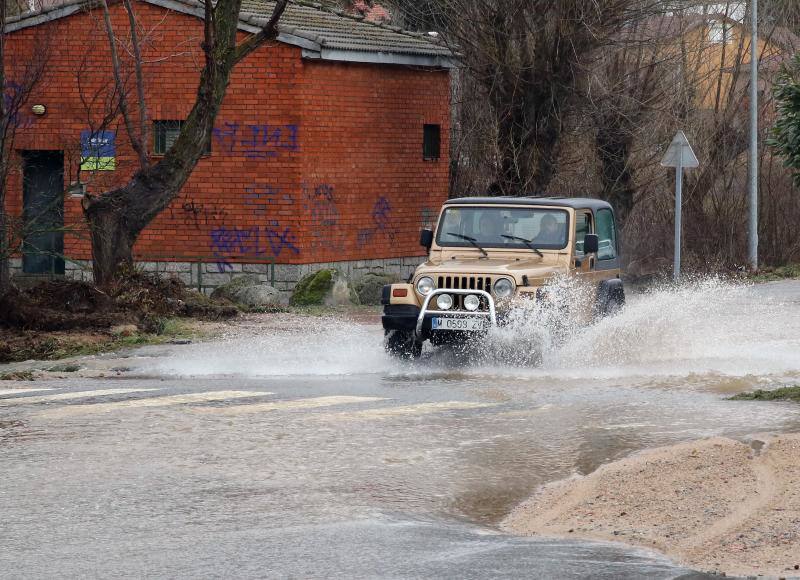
x=583, y=226
x=607, y=235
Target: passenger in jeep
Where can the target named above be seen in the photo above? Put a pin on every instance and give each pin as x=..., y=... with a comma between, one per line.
x=549, y=232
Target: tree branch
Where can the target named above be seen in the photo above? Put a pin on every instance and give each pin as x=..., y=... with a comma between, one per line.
x=137, y=63
x=268, y=32
x=136, y=141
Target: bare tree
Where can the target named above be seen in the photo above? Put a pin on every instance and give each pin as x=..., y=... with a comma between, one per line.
x=117, y=217
x=528, y=59
x=27, y=72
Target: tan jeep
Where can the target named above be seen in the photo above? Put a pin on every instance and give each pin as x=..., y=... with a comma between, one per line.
x=487, y=253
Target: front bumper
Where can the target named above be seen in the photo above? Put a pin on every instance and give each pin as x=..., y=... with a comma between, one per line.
x=425, y=313
x=409, y=317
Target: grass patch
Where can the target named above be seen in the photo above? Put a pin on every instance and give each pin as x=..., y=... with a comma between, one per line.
x=17, y=376
x=782, y=394
x=66, y=368
x=768, y=274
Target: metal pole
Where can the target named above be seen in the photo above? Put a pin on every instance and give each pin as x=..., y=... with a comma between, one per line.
x=676, y=273
x=753, y=197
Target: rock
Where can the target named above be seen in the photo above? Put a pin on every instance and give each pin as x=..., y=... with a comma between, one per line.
x=313, y=288
x=262, y=296
x=368, y=288
x=249, y=292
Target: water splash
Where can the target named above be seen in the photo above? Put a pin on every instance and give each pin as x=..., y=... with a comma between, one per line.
x=319, y=346
x=704, y=328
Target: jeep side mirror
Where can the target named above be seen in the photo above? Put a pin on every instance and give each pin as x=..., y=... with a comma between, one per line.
x=426, y=239
x=591, y=244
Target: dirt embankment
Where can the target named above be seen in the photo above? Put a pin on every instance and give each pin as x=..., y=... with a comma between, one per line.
x=716, y=504
x=56, y=318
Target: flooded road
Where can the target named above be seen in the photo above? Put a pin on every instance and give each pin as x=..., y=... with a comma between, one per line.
x=295, y=448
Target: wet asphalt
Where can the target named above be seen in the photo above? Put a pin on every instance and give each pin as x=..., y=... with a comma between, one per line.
x=296, y=449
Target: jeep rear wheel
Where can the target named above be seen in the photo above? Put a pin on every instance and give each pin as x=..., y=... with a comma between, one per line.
x=403, y=344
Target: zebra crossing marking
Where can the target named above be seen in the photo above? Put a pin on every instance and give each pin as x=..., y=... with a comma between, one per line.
x=166, y=401
x=68, y=396
x=4, y=392
x=310, y=403
x=407, y=410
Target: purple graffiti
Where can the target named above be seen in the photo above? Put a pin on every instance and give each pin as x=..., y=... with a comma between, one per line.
x=382, y=223
x=252, y=242
x=256, y=141
x=324, y=213
x=13, y=97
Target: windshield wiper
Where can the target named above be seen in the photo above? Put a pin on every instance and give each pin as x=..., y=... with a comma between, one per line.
x=528, y=243
x=472, y=241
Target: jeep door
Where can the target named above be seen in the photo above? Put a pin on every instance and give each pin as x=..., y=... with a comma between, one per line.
x=596, y=267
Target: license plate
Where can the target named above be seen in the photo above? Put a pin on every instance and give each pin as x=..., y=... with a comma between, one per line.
x=467, y=324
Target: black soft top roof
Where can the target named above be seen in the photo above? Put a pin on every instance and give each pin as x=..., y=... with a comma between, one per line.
x=573, y=202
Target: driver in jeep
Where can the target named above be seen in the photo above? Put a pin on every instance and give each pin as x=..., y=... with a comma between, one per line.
x=549, y=232
x=490, y=227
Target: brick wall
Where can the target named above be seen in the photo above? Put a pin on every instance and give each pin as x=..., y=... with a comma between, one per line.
x=311, y=161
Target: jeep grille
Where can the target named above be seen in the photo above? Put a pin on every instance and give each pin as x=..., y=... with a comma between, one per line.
x=465, y=283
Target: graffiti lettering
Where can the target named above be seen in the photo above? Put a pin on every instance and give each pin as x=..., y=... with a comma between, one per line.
x=256, y=141
x=228, y=243
x=382, y=223
x=324, y=214
x=13, y=97
x=197, y=214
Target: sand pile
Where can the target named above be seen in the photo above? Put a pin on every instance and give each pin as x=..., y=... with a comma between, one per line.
x=716, y=504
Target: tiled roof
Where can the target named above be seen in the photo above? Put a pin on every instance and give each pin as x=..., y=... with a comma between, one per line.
x=339, y=30
x=321, y=32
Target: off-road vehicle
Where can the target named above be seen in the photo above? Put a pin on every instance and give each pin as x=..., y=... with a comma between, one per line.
x=487, y=253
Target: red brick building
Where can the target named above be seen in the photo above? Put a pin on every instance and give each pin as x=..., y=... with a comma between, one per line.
x=331, y=146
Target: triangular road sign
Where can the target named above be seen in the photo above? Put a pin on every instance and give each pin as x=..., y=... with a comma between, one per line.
x=680, y=153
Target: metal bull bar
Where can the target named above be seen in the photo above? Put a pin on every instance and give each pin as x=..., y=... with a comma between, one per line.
x=492, y=314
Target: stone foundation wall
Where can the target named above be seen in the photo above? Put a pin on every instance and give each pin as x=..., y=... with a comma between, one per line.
x=206, y=276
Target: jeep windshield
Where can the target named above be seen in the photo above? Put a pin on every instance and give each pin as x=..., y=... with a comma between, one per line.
x=503, y=227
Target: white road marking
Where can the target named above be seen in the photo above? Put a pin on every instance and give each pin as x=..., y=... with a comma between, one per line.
x=152, y=402
x=420, y=409
x=68, y=396
x=18, y=391
x=285, y=405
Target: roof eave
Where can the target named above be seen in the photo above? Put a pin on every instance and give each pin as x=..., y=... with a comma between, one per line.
x=371, y=57
x=289, y=35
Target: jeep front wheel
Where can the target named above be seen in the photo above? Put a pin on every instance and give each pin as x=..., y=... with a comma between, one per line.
x=403, y=344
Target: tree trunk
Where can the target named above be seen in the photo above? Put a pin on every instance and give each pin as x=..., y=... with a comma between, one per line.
x=112, y=246
x=5, y=273
x=117, y=217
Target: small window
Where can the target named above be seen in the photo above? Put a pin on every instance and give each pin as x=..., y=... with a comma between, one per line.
x=718, y=32
x=431, y=142
x=583, y=226
x=607, y=235
x=165, y=133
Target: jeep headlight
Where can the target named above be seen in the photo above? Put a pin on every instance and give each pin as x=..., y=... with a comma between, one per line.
x=471, y=302
x=503, y=288
x=444, y=302
x=425, y=285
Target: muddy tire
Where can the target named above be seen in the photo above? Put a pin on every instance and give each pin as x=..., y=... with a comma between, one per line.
x=402, y=344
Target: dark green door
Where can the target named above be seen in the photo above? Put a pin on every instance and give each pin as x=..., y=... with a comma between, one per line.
x=43, y=212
